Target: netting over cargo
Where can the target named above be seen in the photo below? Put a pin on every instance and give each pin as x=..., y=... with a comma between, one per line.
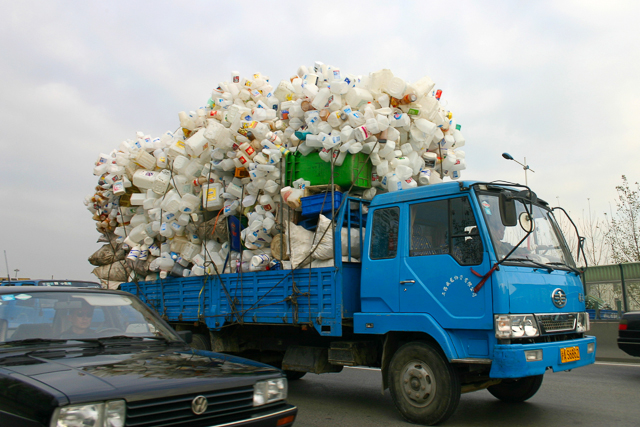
x=216, y=194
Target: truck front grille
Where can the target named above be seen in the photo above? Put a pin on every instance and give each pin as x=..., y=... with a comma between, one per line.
x=554, y=323
x=224, y=406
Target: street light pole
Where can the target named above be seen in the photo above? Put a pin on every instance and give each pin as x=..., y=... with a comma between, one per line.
x=525, y=166
x=7, y=264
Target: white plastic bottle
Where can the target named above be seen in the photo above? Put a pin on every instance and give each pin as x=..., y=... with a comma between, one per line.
x=161, y=182
x=212, y=196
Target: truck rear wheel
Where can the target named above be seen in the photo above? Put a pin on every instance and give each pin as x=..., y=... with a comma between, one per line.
x=200, y=342
x=424, y=386
x=516, y=390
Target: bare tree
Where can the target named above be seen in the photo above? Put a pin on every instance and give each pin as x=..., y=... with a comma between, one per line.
x=623, y=236
x=594, y=230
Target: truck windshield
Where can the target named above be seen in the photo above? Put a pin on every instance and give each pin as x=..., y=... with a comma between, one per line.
x=544, y=245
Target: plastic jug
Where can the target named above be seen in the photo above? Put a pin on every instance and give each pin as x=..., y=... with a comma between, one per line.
x=144, y=179
x=212, y=196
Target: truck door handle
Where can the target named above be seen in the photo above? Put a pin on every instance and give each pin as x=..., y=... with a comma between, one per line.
x=402, y=282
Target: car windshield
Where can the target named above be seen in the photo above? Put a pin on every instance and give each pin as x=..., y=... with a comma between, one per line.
x=545, y=244
x=76, y=315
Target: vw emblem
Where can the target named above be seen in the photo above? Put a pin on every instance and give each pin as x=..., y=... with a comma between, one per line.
x=559, y=298
x=199, y=405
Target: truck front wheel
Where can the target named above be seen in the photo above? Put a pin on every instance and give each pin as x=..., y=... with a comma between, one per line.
x=516, y=390
x=424, y=386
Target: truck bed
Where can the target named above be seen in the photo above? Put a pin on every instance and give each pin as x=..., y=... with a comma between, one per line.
x=323, y=297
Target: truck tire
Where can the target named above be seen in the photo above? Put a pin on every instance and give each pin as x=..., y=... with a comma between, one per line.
x=200, y=342
x=424, y=386
x=516, y=390
x=294, y=375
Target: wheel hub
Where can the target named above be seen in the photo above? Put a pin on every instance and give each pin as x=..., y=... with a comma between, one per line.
x=418, y=383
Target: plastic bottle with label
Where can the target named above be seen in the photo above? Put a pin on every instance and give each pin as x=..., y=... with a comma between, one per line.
x=212, y=196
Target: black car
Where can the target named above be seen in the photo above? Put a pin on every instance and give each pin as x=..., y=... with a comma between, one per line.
x=629, y=333
x=94, y=357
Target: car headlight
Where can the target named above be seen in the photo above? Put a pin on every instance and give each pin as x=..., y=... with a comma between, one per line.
x=269, y=391
x=101, y=414
x=516, y=326
x=583, y=324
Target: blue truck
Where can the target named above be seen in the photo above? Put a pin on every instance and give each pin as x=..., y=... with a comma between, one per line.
x=460, y=286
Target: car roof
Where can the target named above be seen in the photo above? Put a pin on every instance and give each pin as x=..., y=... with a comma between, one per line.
x=32, y=289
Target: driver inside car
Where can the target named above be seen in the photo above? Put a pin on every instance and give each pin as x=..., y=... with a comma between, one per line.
x=80, y=319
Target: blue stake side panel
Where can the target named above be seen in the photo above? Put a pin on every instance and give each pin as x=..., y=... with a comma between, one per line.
x=322, y=296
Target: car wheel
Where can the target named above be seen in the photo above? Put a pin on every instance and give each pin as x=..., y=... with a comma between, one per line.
x=200, y=342
x=424, y=386
x=516, y=390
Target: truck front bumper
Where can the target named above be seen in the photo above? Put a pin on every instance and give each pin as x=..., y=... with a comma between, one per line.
x=509, y=360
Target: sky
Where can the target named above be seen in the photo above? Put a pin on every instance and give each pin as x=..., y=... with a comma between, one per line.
x=555, y=82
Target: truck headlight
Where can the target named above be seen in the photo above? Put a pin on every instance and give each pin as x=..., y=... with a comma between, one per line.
x=101, y=414
x=583, y=324
x=516, y=326
x=269, y=391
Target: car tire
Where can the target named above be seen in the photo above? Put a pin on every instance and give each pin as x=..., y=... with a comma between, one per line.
x=516, y=390
x=200, y=342
x=424, y=386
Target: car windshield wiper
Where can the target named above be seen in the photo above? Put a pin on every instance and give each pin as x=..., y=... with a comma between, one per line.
x=546, y=267
x=562, y=264
x=124, y=339
x=28, y=341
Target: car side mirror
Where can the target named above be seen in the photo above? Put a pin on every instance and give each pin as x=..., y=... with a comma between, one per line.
x=186, y=336
x=507, y=209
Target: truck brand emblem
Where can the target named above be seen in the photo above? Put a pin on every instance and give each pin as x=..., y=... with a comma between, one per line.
x=559, y=298
x=199, y=405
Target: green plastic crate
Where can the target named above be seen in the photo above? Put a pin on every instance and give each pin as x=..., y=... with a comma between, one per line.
x=355, y=169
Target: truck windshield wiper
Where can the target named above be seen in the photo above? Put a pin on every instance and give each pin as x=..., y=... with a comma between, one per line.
x=546, y=267
x=575, y=270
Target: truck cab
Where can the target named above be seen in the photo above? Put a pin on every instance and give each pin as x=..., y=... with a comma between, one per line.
x=480, y=275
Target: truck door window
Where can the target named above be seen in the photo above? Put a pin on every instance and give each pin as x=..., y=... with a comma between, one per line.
x=429, y=225
x=465, y=238
x=384, y=235
x=446, y=227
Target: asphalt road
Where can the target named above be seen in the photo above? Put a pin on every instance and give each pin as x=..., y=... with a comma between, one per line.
x=605, y=394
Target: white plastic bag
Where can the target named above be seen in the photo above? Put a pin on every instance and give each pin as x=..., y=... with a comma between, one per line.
x=301, y=240
x=324, y=247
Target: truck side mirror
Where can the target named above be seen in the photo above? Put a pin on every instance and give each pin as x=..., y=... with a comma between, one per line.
x=508, y=209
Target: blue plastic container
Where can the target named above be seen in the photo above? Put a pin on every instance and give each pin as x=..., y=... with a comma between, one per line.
x=320, y=203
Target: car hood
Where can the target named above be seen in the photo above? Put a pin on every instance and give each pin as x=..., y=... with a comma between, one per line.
x=101, y=374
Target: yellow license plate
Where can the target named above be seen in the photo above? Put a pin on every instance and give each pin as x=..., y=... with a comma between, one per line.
x=569, y=354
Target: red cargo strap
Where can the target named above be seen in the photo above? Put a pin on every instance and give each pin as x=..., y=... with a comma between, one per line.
x=484, y=278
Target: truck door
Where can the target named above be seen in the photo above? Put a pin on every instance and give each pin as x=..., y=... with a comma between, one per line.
x=441, y=246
